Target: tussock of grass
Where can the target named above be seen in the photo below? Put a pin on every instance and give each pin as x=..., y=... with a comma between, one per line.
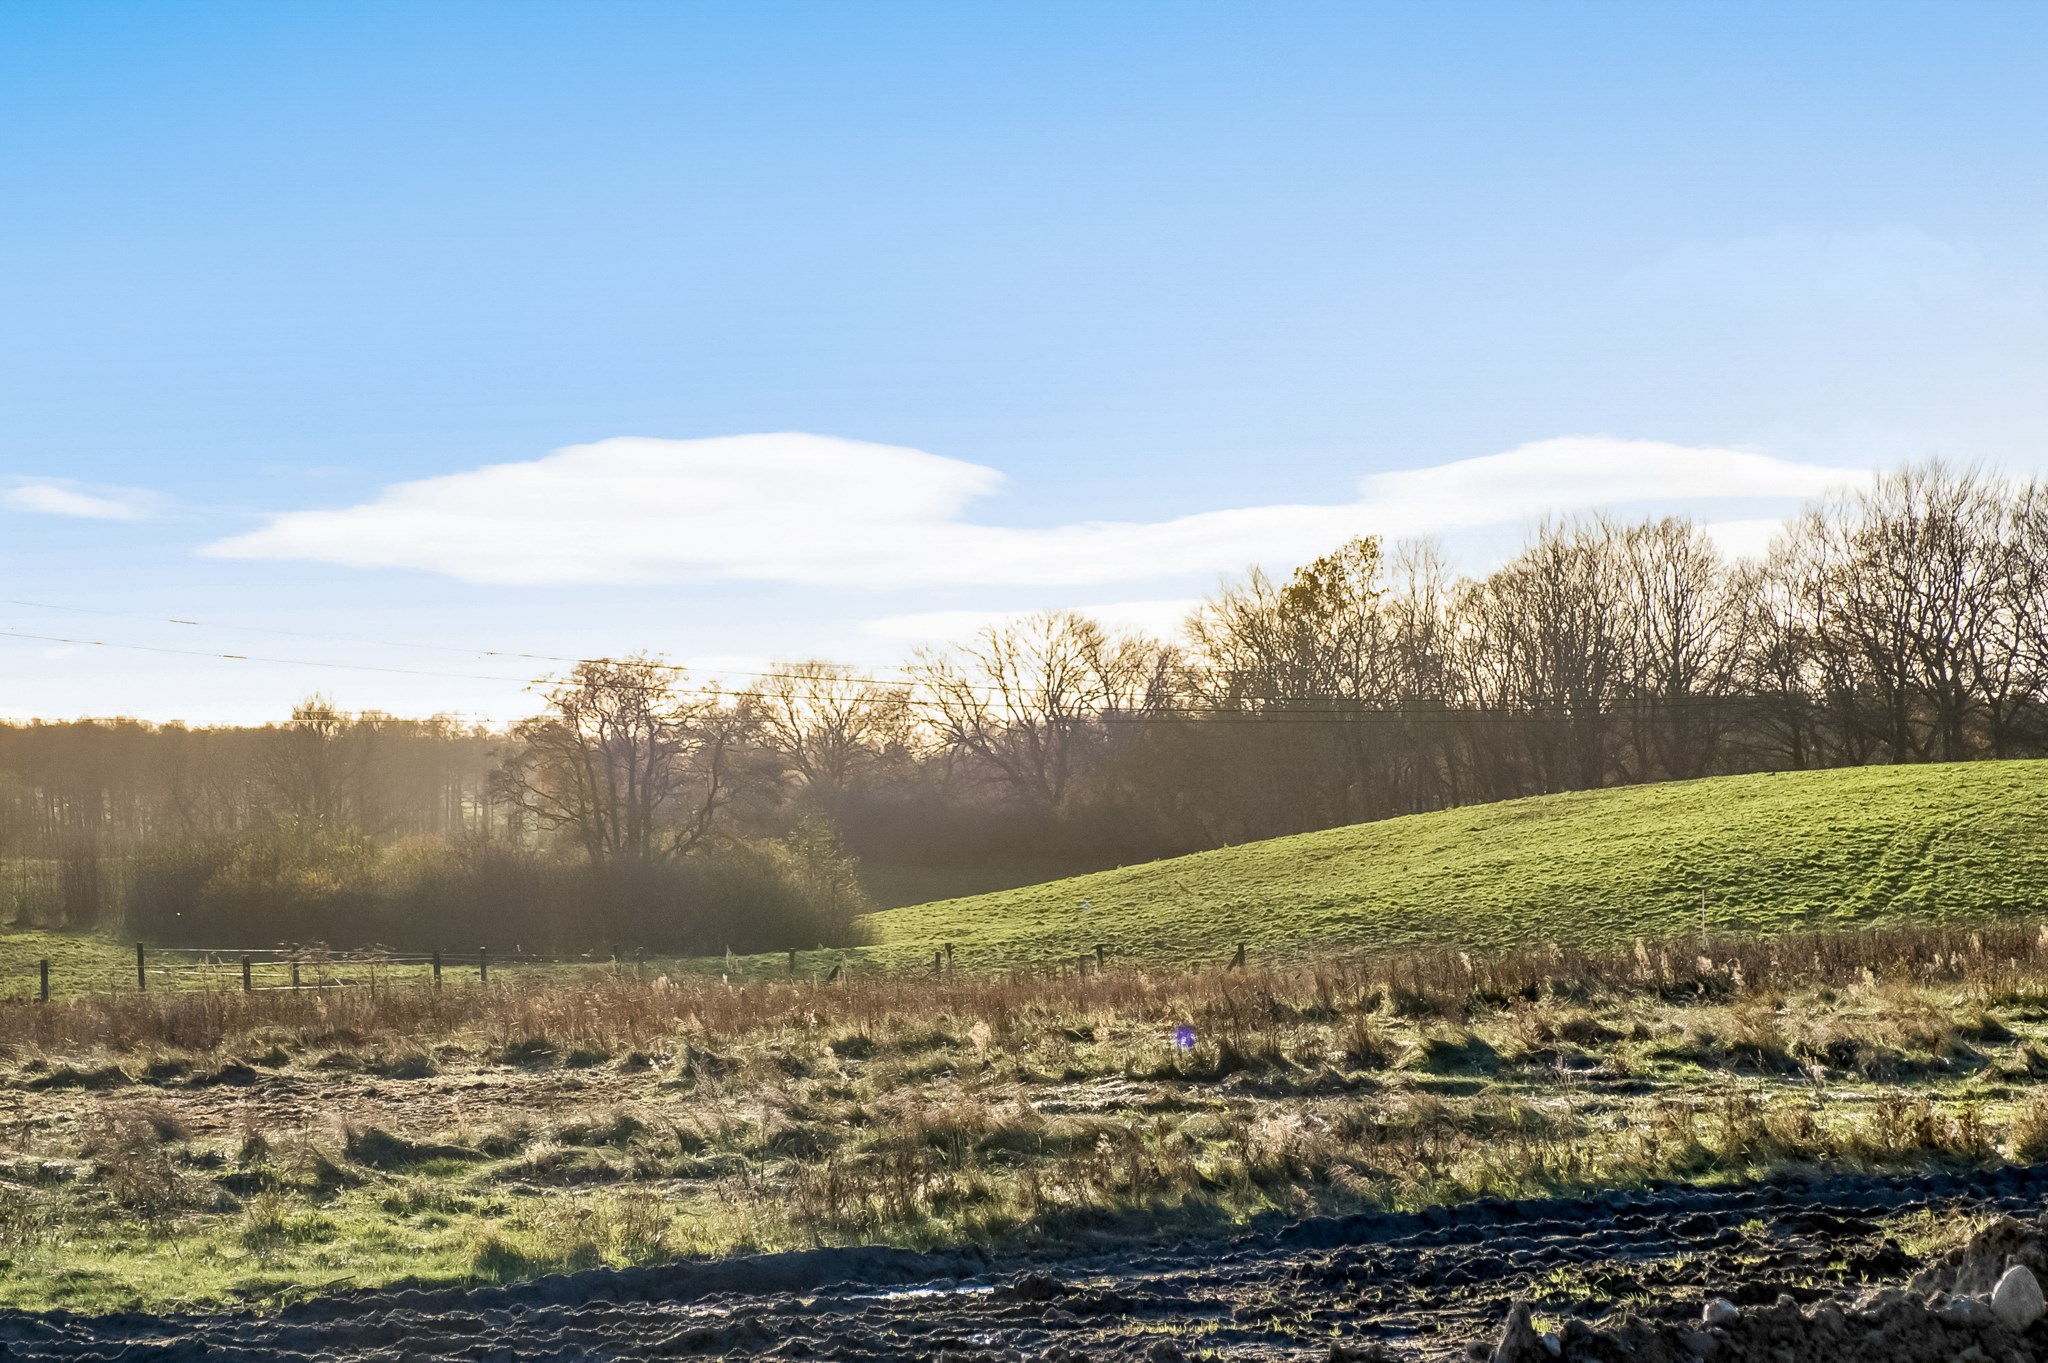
x=412, y=1065
x=375, y=1148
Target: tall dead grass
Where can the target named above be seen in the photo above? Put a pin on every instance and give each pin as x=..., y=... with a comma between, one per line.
x=1242, y=1013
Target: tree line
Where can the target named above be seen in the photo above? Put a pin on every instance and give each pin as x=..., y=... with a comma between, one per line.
x=1905, y=621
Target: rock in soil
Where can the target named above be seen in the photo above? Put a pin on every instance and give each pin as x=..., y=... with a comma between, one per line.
x=2017, y=1298
x=1981, y=1303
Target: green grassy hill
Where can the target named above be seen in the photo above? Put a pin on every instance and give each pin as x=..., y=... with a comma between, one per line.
x=1801, y=849
x=1774, y=852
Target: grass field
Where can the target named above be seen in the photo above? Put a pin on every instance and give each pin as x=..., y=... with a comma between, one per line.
x=193, y=1147
x=198, y=1145
x=1948, y=843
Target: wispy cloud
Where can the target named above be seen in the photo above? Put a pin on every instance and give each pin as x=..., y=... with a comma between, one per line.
x=61, y=497
x=1162, y=617
x=825, y=511
x=1881, y=269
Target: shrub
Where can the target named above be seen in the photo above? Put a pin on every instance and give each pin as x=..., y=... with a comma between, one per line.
x=304, y=883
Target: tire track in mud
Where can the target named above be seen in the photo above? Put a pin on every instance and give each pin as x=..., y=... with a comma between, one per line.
x=1395, y=1286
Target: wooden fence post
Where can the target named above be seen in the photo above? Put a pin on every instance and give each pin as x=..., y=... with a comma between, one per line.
x=43, y=979
x=141, y=969
x=437, y=970
x=295, y=972
x=1101, y=957
x=248, y=985
x=483, y=965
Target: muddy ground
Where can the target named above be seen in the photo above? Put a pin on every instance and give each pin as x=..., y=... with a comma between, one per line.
x=1619, y=1275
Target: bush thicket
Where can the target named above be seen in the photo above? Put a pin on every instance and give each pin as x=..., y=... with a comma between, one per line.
x=310, y=884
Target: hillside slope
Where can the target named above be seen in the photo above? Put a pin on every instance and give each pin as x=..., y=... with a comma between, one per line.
x=1594, y=867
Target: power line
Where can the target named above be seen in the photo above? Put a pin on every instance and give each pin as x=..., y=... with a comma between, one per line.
x=1254, y=711
x=705, y=692
x=521, y=655
x=251, y=657
x=848, y=674
x=1318, y=714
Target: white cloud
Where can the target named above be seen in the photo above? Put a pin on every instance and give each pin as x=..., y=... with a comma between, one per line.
x=57, y=497
x=825, y=511
x=1745, y=539
x=1586, y=473
x=1159, y=618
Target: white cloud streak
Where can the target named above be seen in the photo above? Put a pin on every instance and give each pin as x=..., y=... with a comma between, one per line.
x=1884, y=270
x=1162, y=618
x=55, y=497
x=818, y=510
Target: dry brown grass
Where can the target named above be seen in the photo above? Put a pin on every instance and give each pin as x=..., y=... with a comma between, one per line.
x=604, y=1014
x=545, y=1123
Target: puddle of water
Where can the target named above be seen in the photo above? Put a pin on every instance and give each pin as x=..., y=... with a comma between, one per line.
x=916, y=1293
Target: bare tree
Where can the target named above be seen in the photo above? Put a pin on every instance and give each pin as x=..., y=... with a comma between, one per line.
x=1908, y=592
x=624, y=763
x=1689, y=637
x=831, y=725
x=1317, y=639
x=1035, y=699
x=1555, y=619
x=1783, y=669
x=2004, y=653
x=1319, y=659
x=1418, y=607
x=2026, y=531
x=307, y=769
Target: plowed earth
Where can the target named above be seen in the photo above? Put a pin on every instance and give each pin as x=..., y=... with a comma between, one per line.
x=1434, y=1285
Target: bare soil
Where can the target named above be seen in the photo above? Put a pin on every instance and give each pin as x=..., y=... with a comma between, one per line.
x=1614, y=1276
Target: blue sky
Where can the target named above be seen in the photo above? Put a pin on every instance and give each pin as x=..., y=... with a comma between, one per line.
x=1059, y=305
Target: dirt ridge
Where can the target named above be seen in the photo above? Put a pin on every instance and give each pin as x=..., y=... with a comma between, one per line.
x=1385, y=1285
